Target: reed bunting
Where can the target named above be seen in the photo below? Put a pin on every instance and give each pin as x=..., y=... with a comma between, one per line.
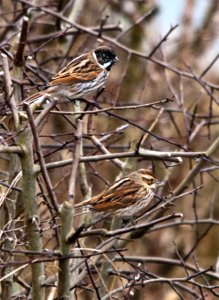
x=126, y=197
x=82, y=75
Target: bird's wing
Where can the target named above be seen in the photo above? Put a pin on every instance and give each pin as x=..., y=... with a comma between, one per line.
x=121, y=194
x=79, y=70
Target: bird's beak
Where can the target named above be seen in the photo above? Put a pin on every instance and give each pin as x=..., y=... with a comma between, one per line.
x=116, y=59
x=159, y=183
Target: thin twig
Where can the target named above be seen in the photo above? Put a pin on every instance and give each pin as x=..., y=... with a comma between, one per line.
x=9, y=89
x=75, y=162
x=41, y=160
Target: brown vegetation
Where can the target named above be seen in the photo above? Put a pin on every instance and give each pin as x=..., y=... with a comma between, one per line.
x=159, y=110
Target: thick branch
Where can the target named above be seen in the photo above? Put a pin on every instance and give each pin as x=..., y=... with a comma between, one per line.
x=147, y=154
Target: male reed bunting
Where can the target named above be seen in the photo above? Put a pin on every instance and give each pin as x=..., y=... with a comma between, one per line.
x=82, y=75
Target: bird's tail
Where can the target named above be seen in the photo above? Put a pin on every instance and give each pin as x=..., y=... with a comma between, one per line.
x=37, y=97
x=82, y=204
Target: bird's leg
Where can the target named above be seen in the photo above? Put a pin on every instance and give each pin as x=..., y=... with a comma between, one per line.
x=99, y=92
x=126, y=222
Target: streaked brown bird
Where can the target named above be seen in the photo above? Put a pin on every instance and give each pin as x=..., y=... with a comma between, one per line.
x=81, y=76
x=126, y=197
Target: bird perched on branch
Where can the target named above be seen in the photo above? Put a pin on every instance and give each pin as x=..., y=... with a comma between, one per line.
x=81, y=76
x=126, y=197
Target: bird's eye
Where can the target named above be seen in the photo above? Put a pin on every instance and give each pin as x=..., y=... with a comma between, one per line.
x=150, y=181
x=105, y=57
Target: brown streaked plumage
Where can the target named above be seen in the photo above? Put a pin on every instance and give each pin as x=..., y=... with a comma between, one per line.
x=82, y=75
x=126, y=197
